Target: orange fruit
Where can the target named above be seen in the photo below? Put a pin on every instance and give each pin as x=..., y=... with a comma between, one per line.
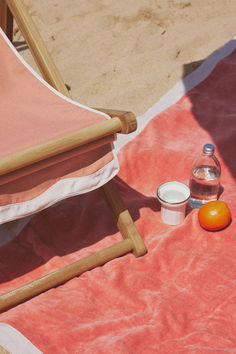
x=214, y=215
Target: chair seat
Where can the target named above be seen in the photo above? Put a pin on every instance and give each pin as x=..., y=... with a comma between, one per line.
x=32, y=113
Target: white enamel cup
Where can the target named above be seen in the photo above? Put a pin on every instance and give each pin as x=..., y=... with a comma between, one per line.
x=173, y=197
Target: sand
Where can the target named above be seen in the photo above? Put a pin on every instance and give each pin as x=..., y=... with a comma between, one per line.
x=126, y=54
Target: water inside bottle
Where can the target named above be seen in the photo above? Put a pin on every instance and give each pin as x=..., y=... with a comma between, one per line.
x=204, y=185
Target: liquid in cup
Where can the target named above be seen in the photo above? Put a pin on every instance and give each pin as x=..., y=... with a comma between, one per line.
x=173, y=197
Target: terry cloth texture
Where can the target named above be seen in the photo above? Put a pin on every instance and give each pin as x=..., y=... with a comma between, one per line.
x=181, y=296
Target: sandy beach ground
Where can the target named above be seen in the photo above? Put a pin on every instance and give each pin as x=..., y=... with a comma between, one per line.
x=126, y=54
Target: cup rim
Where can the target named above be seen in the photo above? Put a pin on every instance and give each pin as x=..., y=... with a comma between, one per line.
x=173, y=203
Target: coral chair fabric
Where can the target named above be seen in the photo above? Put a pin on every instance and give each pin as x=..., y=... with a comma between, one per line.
x=181, y=296
x=32, y=113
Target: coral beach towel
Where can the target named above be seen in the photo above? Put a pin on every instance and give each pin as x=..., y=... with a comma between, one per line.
x=181, y=296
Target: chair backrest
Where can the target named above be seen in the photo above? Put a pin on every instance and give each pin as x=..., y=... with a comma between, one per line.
x=46, y=139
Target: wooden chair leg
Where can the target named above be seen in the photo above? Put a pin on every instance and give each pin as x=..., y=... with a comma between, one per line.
x=123, y=219
x=6, y=19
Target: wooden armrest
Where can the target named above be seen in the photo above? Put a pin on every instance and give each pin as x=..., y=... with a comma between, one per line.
x=57, y=146
x=128, y=119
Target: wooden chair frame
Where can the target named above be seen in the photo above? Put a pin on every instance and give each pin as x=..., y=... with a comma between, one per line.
x=122, y=122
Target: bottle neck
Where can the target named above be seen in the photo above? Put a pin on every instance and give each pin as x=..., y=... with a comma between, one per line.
x=210, y=153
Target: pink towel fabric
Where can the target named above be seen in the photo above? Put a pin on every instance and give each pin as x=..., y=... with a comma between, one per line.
x=181, y=296
x=32, y=113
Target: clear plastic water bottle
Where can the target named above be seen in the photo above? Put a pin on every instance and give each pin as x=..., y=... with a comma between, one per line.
x=205, y=178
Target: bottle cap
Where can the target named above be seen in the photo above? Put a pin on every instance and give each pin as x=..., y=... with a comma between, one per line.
x=208, y=149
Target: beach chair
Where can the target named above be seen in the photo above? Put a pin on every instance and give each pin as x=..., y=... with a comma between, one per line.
x=96, y=134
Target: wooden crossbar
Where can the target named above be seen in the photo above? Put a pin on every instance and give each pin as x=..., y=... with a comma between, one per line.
x=64, y=274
